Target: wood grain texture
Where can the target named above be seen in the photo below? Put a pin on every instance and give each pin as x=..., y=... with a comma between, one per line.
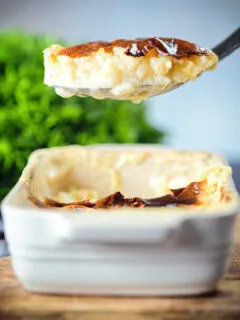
x=17, y=304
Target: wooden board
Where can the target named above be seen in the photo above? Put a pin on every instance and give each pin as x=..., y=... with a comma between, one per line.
x=16, y=303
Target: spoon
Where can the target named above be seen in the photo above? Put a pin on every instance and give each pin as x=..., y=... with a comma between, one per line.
x=222, y=50
x=227, y=46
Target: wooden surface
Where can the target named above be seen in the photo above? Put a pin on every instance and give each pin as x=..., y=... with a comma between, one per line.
x=16, y=303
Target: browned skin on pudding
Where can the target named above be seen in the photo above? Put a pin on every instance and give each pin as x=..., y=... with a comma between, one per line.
x=139, y=47
x=178, y=197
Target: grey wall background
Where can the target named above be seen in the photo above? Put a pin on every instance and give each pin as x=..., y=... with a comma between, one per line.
x=202, y=115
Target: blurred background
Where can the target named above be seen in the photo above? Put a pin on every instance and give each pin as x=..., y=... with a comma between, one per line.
x=204, y=114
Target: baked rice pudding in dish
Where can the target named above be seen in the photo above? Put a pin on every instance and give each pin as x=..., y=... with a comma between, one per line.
x=125, y=69
x=82, y=178
x=79, y=213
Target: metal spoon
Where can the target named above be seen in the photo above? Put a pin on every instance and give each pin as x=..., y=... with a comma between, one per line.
x=227, y=46
x=222, y=50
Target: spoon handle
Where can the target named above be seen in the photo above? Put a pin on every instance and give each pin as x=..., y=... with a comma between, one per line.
x=228, y=45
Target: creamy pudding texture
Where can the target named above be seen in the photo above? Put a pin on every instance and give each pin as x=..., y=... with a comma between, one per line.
x=125, y=69
x=87, y=178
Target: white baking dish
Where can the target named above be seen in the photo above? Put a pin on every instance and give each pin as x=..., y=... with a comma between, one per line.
x=110, y=252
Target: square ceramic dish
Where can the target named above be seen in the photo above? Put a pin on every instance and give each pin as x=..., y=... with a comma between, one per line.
x=157, y=251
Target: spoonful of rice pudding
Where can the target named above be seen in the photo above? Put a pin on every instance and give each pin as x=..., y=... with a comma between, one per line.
x=129, y=69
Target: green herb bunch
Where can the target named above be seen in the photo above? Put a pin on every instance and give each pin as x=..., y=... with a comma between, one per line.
x=32, y=116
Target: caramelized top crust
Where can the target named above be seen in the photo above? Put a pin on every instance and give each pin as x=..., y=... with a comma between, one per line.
x=139, y=47
x=190, y=195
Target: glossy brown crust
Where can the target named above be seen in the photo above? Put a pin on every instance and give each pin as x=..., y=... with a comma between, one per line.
x=190, y=195
x=140, y=47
